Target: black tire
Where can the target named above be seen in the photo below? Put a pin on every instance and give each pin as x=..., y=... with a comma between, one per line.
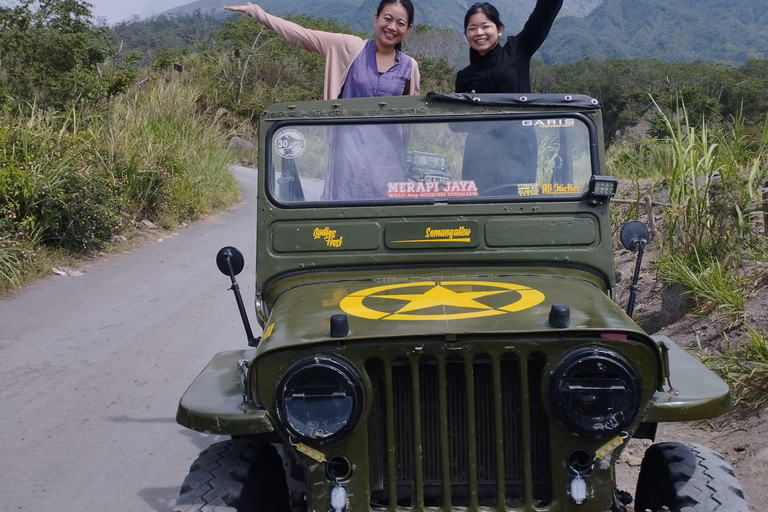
x=238, y=475
x=687, y=477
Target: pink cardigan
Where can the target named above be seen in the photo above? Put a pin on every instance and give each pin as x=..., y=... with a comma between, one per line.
x=339, y=50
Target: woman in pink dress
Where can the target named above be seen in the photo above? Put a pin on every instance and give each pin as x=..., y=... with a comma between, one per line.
x=363, y=159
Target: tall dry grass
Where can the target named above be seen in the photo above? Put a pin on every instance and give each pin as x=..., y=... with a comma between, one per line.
x=170, y=155
x=73, y=180
x=708, y=177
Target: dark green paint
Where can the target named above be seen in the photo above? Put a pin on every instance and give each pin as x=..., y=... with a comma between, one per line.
x=591, y=309
x=213, y=403
x=700, y=392
x=543, y=231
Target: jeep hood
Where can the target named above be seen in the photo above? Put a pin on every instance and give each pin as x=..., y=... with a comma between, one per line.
x=514, y=301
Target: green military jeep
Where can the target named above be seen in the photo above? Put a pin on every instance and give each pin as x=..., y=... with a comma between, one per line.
x=448, y=344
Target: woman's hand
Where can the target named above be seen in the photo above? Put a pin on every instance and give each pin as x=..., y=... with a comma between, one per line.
x=239, y=8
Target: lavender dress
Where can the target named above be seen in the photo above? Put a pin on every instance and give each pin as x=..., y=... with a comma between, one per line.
x=363, y=159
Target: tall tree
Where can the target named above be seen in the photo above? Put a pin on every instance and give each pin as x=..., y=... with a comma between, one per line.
x=46, y=51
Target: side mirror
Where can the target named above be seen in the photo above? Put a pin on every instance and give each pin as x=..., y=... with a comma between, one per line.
x=230, y=261
x=633, y=235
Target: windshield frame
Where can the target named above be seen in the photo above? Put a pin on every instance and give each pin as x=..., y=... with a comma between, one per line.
x=276, y=125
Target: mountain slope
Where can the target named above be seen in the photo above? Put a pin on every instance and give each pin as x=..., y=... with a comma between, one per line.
x=359, y=13
x=670, y=30
x=733, y=31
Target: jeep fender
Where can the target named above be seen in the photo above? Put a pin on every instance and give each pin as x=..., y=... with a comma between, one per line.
x=697, y=392
x=213, y=403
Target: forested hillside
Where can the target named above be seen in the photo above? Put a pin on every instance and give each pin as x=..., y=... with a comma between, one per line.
x=358, y=13
x=624, y=86
x=668, y=30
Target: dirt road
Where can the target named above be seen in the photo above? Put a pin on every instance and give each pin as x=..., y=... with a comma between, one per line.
x=92, y=368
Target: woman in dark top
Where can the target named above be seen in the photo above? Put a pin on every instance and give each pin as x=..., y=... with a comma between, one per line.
x=502, y=68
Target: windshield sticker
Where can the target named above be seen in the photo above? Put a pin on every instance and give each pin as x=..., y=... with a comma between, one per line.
x=329, y=235
x=551, y=123
x=289, y=143
x=527, y=189
x=559, y=188
x=440, y=300
x=409, y=189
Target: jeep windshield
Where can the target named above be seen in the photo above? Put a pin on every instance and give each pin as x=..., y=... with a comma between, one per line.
x=405, y=160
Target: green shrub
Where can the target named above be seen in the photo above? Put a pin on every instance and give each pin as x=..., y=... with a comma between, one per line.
x=17, y=253
x=53, y=185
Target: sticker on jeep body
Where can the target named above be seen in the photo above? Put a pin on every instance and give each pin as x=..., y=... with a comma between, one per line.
x=440, y=300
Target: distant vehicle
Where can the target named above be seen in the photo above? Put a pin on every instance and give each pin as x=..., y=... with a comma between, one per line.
x=432, y=345
x=426, y=167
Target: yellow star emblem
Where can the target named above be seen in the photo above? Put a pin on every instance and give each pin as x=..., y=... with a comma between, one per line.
x=440, y=301
x=442, y=296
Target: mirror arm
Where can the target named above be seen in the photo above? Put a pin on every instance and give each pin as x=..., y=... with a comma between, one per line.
x=252, y=342
x=633, y=288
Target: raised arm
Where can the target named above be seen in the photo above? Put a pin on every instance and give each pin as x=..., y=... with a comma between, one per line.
x=537, y=27
x=300, y=37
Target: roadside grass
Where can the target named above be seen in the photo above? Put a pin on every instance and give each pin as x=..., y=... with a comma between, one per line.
x=170, y=156
x=651, y=158
x=707, y=179
x=20, y=266
x=71, y=181
x=744, y=368
x=713, y=286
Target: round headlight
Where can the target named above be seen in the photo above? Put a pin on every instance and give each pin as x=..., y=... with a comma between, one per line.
x=595, y=392
x=319, y=399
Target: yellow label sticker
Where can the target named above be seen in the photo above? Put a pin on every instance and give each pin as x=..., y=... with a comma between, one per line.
x=267, y=332
x=329, y=235
x=560, y=188
x=458, y=234
x=310, y=452
x=528, y=189
x=608, y=448
x=440, y=300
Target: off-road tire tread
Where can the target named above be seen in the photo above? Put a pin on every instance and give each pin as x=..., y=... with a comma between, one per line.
x=237, y=475
x=687, y=477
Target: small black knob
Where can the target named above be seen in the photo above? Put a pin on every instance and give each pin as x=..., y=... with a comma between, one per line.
x=560, y=316
x=339, y=325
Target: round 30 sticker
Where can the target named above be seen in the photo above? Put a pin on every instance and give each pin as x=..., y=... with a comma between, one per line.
x=289, y=143
x=443, y=300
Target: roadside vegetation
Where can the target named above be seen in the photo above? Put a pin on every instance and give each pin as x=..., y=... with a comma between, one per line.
x=101, y=128
x=706, y=176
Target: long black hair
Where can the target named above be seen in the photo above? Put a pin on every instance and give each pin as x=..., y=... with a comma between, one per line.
x=408, y=8
x=491, y=12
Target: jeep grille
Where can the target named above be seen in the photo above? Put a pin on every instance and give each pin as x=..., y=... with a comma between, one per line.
x=450, y=431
